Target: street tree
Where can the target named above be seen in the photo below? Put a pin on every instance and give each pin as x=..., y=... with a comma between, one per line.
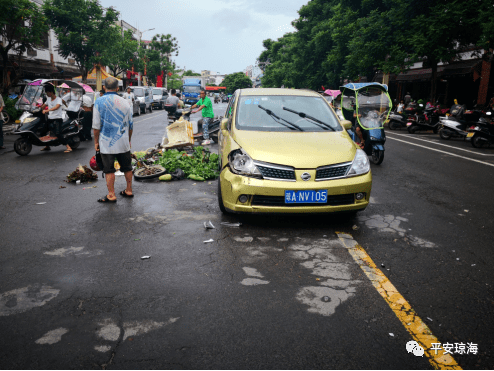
x=22, y=24
x=190, y=73
x=157, y=58
x=234, y=81
x=85, y=30
x=121, y=54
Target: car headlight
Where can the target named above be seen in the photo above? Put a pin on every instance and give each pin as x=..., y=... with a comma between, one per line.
x=360, y=165
x=242, y=164
x=476, y=128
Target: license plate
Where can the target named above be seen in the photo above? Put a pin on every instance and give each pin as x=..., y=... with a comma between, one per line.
x=409, y=123
x=469, y=135
x=306, y=197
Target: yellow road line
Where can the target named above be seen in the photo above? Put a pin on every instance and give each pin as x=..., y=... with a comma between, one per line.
x=411, y=321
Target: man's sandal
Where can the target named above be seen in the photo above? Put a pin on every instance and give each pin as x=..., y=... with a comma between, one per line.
x=123, y=193
x=106, y=199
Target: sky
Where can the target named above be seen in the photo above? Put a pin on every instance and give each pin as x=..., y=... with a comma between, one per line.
x=222, y=36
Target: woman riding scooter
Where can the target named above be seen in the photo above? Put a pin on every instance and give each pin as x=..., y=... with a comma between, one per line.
x=53, y=107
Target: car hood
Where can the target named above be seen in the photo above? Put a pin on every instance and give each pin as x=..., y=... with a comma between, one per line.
x=302, y=150
x=140, y=99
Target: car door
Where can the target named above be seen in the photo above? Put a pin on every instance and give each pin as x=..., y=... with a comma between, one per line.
x=225, y=144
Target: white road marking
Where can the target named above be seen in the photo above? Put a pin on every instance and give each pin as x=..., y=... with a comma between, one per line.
x=442, y=144
x=149, y=118
x=53, y=336
x=26, y=298
x=64, y=252
x=338, y=285
x=135, y=328
x=391, y=224
x=243, y=239
x=109, y=330
x=447, y=153
x=252, y=272
x=253, y=282
x=102, y=348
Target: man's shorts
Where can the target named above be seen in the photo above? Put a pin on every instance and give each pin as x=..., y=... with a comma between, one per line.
x=124, y=159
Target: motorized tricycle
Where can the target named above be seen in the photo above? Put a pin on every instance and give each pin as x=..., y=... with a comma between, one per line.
x=369, y=107
x=33, y=123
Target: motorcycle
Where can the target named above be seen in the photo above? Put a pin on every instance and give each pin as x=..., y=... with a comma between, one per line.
x=371, y=105
x=174, y=114
x=456, y=124
x=216, y=99
x=482, y=133
x=33, y=124
x=428, y=120
x=399, y=120
x=213, y=129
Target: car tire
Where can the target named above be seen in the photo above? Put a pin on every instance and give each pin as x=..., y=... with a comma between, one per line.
x=220, y=198
x=150, y=108
x=143, y=110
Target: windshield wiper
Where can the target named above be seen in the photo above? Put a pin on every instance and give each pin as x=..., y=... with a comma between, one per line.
x=306, y=116
x=278, y=119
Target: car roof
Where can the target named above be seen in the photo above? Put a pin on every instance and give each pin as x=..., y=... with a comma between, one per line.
x=279, y=91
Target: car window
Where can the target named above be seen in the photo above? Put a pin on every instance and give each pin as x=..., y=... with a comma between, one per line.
x=229, y=109
x=251, y=117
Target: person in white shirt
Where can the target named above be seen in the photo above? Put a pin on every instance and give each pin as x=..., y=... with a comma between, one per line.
x=74, y=103
x=400, y=108
x=129, y=96
x=53, y=107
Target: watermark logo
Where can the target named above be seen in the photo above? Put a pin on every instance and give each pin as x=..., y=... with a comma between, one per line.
x=414, y=347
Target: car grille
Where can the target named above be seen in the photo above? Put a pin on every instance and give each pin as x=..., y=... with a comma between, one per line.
x=333, y=200
x=332, y=172
x=274, y=173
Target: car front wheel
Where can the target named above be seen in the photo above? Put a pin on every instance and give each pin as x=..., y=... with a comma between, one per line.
x=220, y=199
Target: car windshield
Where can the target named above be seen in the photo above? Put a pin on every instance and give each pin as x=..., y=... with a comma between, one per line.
x=251, y=117
x=192, y=89
x=157, y=92
x=138, y=92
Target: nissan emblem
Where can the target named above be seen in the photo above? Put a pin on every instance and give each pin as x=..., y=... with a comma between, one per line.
x=305, y=176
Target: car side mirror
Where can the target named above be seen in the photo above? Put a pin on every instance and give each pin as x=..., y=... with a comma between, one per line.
x=347, y=125
x=224, y=124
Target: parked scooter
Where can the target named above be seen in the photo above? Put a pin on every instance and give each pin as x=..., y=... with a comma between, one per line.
x=33, y=123
x=456, y=125
x=428, y=120
x=482, y=133
x=399, y=120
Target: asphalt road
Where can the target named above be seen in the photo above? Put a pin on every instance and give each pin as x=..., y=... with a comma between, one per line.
x=277, y=292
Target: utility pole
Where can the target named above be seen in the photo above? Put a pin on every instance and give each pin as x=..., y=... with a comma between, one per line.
x=139, y=75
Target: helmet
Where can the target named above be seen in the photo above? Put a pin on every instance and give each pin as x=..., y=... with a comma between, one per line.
x=93, y=164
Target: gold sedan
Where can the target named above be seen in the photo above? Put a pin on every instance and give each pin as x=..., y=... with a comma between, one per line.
x=286, y=151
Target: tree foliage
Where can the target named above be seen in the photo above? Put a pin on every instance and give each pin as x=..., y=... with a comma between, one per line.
x=121, y=54
x=337, y=40
x=190, y=73
x=85, y=30
x=157, y=57
x=22, y=24
x=234, y=81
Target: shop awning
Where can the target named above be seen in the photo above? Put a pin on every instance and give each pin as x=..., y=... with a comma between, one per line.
x=459, y=68
x=213, y=88
x=91, y=77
